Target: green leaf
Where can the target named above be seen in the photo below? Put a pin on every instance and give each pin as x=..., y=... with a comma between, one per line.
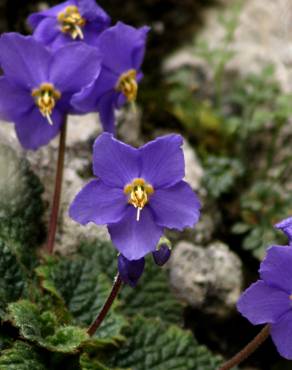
x=87, y=363
x=154, y=345
x=21, y=357
x=151, y=297
x=83, y=289
x=104, y=256
x=240, y=228
x=14, y=279
x=221, y=174
x=43, y=328
x=264, y=204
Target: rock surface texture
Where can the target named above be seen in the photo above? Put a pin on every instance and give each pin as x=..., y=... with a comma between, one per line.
x=207, y=278
x=263, y=36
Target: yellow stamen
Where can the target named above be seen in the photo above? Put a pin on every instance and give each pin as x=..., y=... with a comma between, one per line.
x=127, y=84
x=72, y=22
x=46, y=97
x=138, y=191
x=290, y=297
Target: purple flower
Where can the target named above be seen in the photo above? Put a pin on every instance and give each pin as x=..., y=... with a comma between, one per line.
x=69, y=21
x=269, y=300
x=286, y=227
x=137, y=193
x=162, y=254
x=123, y=50
x=130, y=271
x=37, y=85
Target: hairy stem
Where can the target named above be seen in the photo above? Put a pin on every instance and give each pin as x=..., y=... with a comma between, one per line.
x=106, y=307
x=247, y=350
x=57, y=190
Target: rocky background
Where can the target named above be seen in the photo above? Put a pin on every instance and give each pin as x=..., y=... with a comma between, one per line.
x=220, y=74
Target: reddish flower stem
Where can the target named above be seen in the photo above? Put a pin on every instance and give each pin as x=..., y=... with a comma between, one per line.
x=57, y=190
x=247, y=350
x=106, y=307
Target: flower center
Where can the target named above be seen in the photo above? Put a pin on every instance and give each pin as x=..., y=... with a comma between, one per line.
x=72, y=22
x=45, y=98
x=138, y=191
x=127, y=84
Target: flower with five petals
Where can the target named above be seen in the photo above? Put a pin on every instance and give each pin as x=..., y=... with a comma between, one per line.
x=37, y=85
x=137, y=194
x=73, y=20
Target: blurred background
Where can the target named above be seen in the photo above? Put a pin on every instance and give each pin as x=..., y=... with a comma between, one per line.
x=219, y=73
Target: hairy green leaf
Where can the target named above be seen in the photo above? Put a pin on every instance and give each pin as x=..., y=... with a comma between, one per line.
x=83, y=289
x=43, y=328
x=21, y=357
x=151, y=297
x=88, y=363
x=13, y=282
x=153, y=345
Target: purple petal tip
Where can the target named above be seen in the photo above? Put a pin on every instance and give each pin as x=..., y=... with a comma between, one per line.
x=162, y=255
x=286, y=227
x=130, y=271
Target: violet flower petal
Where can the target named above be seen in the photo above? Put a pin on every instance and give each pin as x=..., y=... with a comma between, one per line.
x=70, y=74
x=114, y=162
x=91, y=32
x=261, y=303
x=134, y=239
x=24, y=60
x=14, y=101
x=276, y=268
x=123, y=47
x=281, y=333
x=286, y=227
x=88, y=99
x=163, y=161
x=175, y=207
x=130, y=271
x=35, y=18
x=41, y=32
x=33, y=130
x=107, y=112
x=98, y=203
x=92, y=12
x=162, y=255
x=61, y=40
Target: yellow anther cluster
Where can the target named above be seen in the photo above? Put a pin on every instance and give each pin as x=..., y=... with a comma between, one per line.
x=46, y=97
x=138, y=191
x=72, y=22
x=127, y=84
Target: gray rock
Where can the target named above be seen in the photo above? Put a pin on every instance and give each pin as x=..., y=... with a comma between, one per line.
x=204, y=229
x=12, y=181
x=207, y=278
x=260, y=39
x=81, y=132
x=129, y=125
x=194, y=169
